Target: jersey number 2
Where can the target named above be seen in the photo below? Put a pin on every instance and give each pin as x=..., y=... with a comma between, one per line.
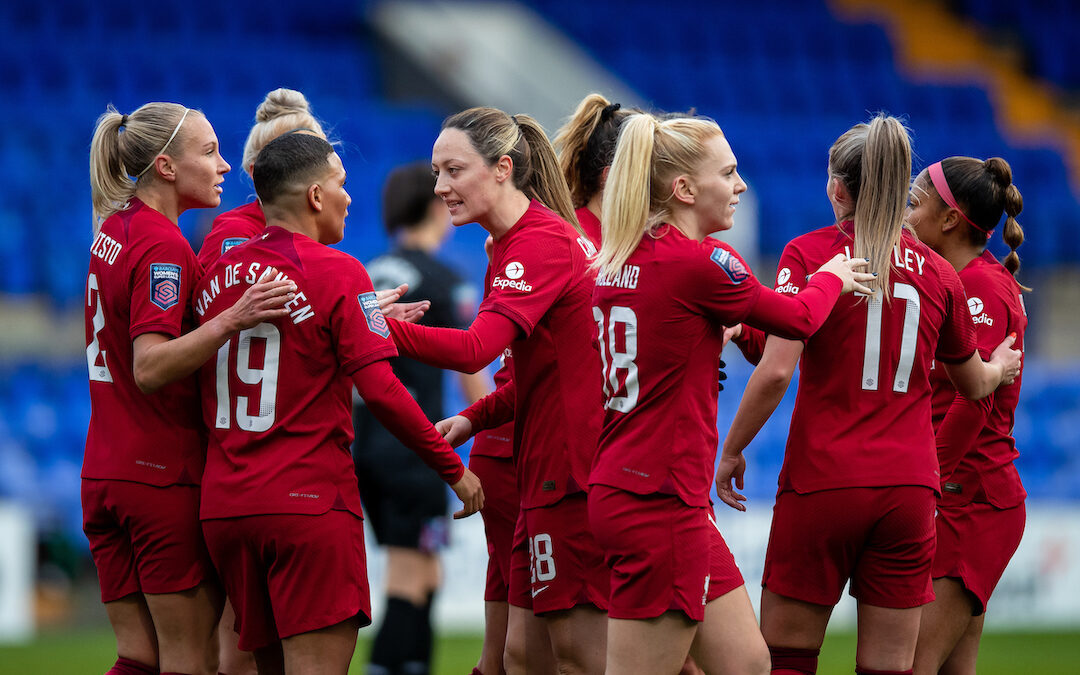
x=266, y=376
x=620, y=359
x=908, y=340
x=98, y=373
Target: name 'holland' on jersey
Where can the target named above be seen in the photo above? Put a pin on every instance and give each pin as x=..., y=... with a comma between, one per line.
x=233, y=277
x=625, y=277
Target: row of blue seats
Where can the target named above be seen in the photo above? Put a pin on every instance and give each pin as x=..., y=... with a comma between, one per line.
x=44, y=412
x=1050, y=31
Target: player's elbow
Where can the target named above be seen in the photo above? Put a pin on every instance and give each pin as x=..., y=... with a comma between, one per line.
x=146, y=379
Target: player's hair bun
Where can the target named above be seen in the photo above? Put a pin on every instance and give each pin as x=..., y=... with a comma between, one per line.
x=280, y=102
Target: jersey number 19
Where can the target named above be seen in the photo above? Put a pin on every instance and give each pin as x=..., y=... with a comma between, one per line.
x=266, y=376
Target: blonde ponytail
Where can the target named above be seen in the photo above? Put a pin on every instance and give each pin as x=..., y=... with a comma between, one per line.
x=124, y=148
x=873, y=161
x=649, y=156
x=627, y=200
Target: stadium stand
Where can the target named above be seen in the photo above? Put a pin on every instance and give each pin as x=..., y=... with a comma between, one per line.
x=782, y=78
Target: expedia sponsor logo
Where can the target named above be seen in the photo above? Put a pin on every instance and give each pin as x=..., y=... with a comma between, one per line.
x=976, y=306
x=515, y=270
x=788, y=289
x=782, y=276
x=516, y=284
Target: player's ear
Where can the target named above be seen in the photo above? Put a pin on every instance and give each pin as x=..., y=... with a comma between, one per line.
x=315, y=197
x=683, y=189
x=164, y=167
x=504, y=168
x=951, y=221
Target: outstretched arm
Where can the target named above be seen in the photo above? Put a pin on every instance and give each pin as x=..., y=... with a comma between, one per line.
x=763, y=393
x=466, y=351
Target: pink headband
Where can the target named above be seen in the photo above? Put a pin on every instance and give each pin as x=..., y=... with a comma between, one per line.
x=937, y=177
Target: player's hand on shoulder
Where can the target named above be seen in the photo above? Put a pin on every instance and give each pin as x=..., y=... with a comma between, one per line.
x=731, y=468
x=262, y=301
x=456, y=429
x=1008, y=359
x=844, y=268
x=470, y=493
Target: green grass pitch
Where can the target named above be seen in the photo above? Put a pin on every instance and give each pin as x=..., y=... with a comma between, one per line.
x=91, y=652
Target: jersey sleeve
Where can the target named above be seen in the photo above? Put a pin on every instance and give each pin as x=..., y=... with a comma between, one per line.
x=357, y=324
x=494, y=410
x=956, y=343
x=532, y=274
x=718, y=282
x=390, y=402
x=161, y=286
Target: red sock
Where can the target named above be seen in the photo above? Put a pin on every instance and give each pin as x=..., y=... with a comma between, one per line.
x=130, y=667
x=859, y=670
x=793, y=661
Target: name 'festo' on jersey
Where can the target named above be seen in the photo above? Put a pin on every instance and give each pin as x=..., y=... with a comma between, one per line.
x=250, y=276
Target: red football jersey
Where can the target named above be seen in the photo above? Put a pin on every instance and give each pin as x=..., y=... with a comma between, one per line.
x=862, y=412
x=497, y=442
x=589, y=223
x=141, y=274
x=539, y=278
x=660, y=322
x=278, y=397
x=230, y=229
x=986, y=472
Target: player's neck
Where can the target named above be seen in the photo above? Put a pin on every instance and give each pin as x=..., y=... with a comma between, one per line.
x=162, y=200
x=594, y=204
x=959, y=254
x=685, y=221
x=505, y=213
x=300, y=225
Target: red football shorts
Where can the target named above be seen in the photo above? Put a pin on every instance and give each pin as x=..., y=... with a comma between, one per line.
x=500, y=513
x=661, y=554
x=724, y=574
x=881, y=538
x=289, y=574
x=519, y=593
x=144, y=538
x=566, y=565
x=975, y=543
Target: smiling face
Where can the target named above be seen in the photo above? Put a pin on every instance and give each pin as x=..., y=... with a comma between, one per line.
x=464, y=181
x=200, y=168
x=717, y=186
x=335, y=202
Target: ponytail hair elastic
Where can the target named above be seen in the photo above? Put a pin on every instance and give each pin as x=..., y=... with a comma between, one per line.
x=937, y=177
x=608, y=111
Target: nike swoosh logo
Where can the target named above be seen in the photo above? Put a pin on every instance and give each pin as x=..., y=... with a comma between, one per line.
x=539, y=591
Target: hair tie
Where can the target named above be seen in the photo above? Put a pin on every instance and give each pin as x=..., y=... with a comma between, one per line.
x=298, y=130
x=609, y=111
x=123, y=120
x=164, y=147
x=937, y=177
